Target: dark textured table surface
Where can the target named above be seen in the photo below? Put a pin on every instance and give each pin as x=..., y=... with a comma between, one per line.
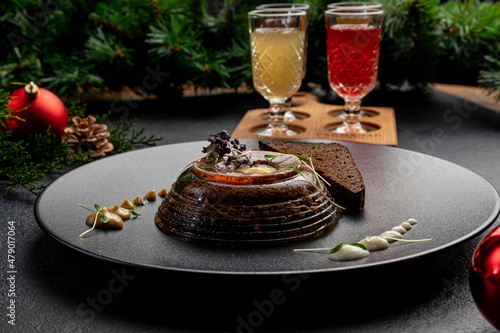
x=58, y=289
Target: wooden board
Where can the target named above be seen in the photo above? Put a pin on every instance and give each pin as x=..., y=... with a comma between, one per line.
x=320, y=118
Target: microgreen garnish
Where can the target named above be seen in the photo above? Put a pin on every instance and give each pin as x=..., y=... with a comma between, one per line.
x=272, y=157
x=341, y=245
x=331, y=250
x=358, y=245
x=316, y=174
x=97, y=207
x=362, y=246
x=297, y=170
x=104, y=218
x=302, y=158
x=407, y=240
x=98, y=212
x=133, y=212
x=222, y=145
x=337, y=248
x=368, y=238
x=311, y=165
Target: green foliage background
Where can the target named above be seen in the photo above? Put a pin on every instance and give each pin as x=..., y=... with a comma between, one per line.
x=72, y=46
x=162, y=46
x=26, y=161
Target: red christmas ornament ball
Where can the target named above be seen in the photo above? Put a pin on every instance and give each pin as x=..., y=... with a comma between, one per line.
x=36, y=109
x=484, y=277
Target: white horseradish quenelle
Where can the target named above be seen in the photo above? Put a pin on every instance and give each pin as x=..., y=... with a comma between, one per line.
x=349, y=252
x=362, y=249
x=375, y=243
x=391, y=236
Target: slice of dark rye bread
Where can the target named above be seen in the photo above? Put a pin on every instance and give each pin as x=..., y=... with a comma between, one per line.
x=333, y=162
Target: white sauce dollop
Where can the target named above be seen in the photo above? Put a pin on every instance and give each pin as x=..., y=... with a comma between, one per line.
x=374, y=243
x=412, y=221
x=349, y=252
x=393, y=234
x=406, y=225
x=399, y=229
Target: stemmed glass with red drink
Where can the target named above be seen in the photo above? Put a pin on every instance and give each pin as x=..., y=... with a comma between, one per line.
x=353, y=46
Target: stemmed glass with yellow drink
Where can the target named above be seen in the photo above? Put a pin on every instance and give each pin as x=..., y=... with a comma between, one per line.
x=277, y=39
x=289, y=114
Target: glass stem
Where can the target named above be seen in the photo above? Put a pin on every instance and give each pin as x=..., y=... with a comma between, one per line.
x=352, y=108
x=277, y=113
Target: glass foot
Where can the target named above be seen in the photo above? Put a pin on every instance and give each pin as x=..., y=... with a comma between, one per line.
x=362, y=114
x=271, y=130
x=347, y=128
x=289, y=116
x=292, y=116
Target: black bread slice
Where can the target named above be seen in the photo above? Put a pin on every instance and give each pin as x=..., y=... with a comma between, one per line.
x=334, y=162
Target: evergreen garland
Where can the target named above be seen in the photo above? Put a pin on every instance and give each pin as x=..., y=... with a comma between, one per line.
x=410, y=49
x=71, y=46
x=26, y=161
x=490, y=79
x=469, y=36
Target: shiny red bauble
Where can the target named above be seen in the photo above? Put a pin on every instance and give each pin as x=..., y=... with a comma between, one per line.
x=484, y=277
x=35, y=110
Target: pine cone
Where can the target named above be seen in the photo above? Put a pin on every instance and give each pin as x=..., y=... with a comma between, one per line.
x=88, y=136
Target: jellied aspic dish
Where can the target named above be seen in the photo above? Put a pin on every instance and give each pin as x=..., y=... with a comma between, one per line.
x=232, y=197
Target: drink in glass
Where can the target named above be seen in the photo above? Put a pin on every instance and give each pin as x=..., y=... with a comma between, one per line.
x=353, y=46
x=289, y=114
x=277, y=39
x=288, y=6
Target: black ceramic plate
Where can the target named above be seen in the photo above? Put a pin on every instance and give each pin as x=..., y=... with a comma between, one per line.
x=451, y=203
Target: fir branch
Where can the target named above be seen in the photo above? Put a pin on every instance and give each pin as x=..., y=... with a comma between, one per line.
x=29, y=176
x=108, y=51
x=25, y=162
x=5, y=111
x=173, y=39
x=124, y=137
x=71, y=76
x=18, y=167
x=422, y=41
x=212, y=69
x=410, y=49
x=490, y=79
x=76, y=109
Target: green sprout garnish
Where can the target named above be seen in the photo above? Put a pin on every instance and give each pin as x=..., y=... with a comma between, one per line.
x=331, y=250
x=133, y=212
x=302, y=159
x=272, y=157
x=337, y=248
x=407, y=240
x=104, y=218
x=397, y=239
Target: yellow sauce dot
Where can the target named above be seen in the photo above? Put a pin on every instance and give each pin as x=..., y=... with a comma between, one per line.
x=260, y=170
